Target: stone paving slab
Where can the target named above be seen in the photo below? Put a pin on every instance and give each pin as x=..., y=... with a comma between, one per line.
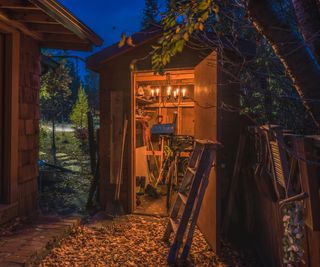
x=33, y=241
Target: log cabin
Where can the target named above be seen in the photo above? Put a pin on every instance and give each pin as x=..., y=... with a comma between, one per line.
x=192, y=92
x=26, y=26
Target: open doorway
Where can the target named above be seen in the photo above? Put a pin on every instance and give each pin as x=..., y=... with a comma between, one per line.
x=164, y=132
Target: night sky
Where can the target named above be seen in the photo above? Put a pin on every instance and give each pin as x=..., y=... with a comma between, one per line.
x=107, y=18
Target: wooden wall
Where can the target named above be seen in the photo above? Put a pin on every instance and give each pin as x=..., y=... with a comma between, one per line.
x=212, y=87
x=23, y=121
x=116, y=76
x=29, y=115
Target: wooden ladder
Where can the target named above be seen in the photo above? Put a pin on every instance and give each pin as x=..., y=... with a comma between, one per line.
x=190, y=194
x=279, y=165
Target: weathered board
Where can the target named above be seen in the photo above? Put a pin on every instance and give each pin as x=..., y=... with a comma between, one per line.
x=205, y=95
x=117, y=115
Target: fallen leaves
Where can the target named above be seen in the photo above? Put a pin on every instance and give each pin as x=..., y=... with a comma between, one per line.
x=129, y=241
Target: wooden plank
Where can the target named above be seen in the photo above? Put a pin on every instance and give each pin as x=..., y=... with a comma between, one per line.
x=172, y=105
x=18, y=25
x=68, y=46
x=2, y=90
x=17, y=4
x=205, y=93
x=54, y=37
x=174, y=75
x=117, y=114
x=303, y=147
x=48, y=28
x=234, y=182
x=33, y=17
x=313, y=239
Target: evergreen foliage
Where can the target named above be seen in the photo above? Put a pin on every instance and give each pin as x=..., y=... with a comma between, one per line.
x=80, y=109
x=150, y=13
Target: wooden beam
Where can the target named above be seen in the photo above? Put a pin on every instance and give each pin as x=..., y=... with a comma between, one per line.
x=32, y=17
x=48, y=28
x=55, y=37
x=20, y=26
x=66, y=45
x=18, y=4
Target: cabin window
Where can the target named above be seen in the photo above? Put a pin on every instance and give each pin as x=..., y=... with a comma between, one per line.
x=4, y=72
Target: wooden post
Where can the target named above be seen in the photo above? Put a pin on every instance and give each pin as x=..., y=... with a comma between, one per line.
x=303, y=148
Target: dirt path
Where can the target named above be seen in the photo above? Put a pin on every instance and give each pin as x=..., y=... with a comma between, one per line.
x=130, y=241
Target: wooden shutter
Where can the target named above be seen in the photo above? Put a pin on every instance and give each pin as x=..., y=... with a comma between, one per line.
x=2, y=89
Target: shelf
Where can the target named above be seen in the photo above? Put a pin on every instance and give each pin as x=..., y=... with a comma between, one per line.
x=172, y=105
x=143, y=101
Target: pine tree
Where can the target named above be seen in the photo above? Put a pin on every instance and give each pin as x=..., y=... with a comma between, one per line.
x=80, y=109
x=170, y=4
x=150, y=13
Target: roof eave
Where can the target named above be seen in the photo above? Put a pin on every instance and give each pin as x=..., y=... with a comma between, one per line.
x=63, y=16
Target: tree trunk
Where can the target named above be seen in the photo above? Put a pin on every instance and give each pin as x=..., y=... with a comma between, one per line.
x=53, y=144
x=296, y=57
x=308, y=16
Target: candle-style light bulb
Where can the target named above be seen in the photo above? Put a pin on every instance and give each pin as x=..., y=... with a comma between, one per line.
x=152, y=92
x=175, y=94
x=184, y=90
x=178, y=91
x=169, y=91
x=157, y=91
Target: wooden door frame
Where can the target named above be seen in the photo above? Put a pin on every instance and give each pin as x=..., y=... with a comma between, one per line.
x=184, y=72
x=12, y=133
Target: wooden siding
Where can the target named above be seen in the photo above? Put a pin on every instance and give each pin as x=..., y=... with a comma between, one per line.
x=29, y=116
x=209, y=123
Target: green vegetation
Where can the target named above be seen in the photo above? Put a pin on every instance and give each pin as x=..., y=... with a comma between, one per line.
x=63, y=192
x=80, y=109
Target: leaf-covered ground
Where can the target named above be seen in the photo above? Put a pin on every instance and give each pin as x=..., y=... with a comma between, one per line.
x=132, y=241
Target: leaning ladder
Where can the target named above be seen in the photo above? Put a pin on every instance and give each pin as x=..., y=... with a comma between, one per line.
x=190, y=194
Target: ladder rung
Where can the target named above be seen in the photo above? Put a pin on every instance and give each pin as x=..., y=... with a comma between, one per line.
x=174, y=225
x=183, y=198
x=192, y=170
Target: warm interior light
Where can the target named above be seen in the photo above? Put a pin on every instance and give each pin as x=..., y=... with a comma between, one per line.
x=178, y=91
x=157, y=91
x=169, y=91
x=184, y=90
x=152, y=92
x=175, y=94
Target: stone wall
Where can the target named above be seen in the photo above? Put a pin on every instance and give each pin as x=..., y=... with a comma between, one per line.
x=29, y=114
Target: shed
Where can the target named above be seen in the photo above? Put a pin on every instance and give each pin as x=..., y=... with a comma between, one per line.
x=195, y=87
x=26, y=26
